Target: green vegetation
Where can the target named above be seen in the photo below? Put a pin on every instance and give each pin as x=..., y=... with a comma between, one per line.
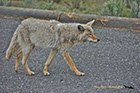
x=118, y=8
x=134, y=9
x=114, y=8
x=122, y=8
x=5, y=2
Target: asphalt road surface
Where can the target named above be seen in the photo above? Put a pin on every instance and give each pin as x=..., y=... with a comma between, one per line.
x=110, y=66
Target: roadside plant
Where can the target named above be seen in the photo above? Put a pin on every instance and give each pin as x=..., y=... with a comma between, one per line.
x=5, y=3
x=113, y=7
x=134, y=8
x=30, y=4
x=49, y=5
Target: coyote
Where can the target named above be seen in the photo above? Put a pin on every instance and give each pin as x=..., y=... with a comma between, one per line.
x=52, y=34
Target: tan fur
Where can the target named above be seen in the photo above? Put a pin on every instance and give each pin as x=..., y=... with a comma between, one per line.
x=52, y=34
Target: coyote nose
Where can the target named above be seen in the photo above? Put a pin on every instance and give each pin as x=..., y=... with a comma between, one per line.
x=98, y=40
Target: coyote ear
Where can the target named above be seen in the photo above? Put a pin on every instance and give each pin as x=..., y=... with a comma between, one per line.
x=80, y=28
x=91, y=23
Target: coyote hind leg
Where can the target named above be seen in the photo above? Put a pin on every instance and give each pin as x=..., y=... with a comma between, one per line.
x=18, y=57
x=24, y=61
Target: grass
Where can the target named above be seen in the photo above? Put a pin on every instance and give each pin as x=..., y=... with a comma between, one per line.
x=78, y=6
x=85, y=6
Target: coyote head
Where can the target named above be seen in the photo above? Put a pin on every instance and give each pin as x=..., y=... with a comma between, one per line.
x=86, y=33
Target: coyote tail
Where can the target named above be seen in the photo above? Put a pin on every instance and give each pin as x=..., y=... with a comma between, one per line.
x=13, y=47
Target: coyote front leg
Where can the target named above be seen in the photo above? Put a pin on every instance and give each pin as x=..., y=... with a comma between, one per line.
x=69, y=60
x=50, y=58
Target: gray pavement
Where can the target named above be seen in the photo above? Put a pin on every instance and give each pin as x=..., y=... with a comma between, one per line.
x=114, y=61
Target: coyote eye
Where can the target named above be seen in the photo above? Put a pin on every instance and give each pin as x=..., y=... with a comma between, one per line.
x=90, y=34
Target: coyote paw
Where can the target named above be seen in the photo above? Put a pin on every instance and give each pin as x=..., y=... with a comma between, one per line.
x=17, y=70
x=46, y=73
x=31, y=73
x=80, y=74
